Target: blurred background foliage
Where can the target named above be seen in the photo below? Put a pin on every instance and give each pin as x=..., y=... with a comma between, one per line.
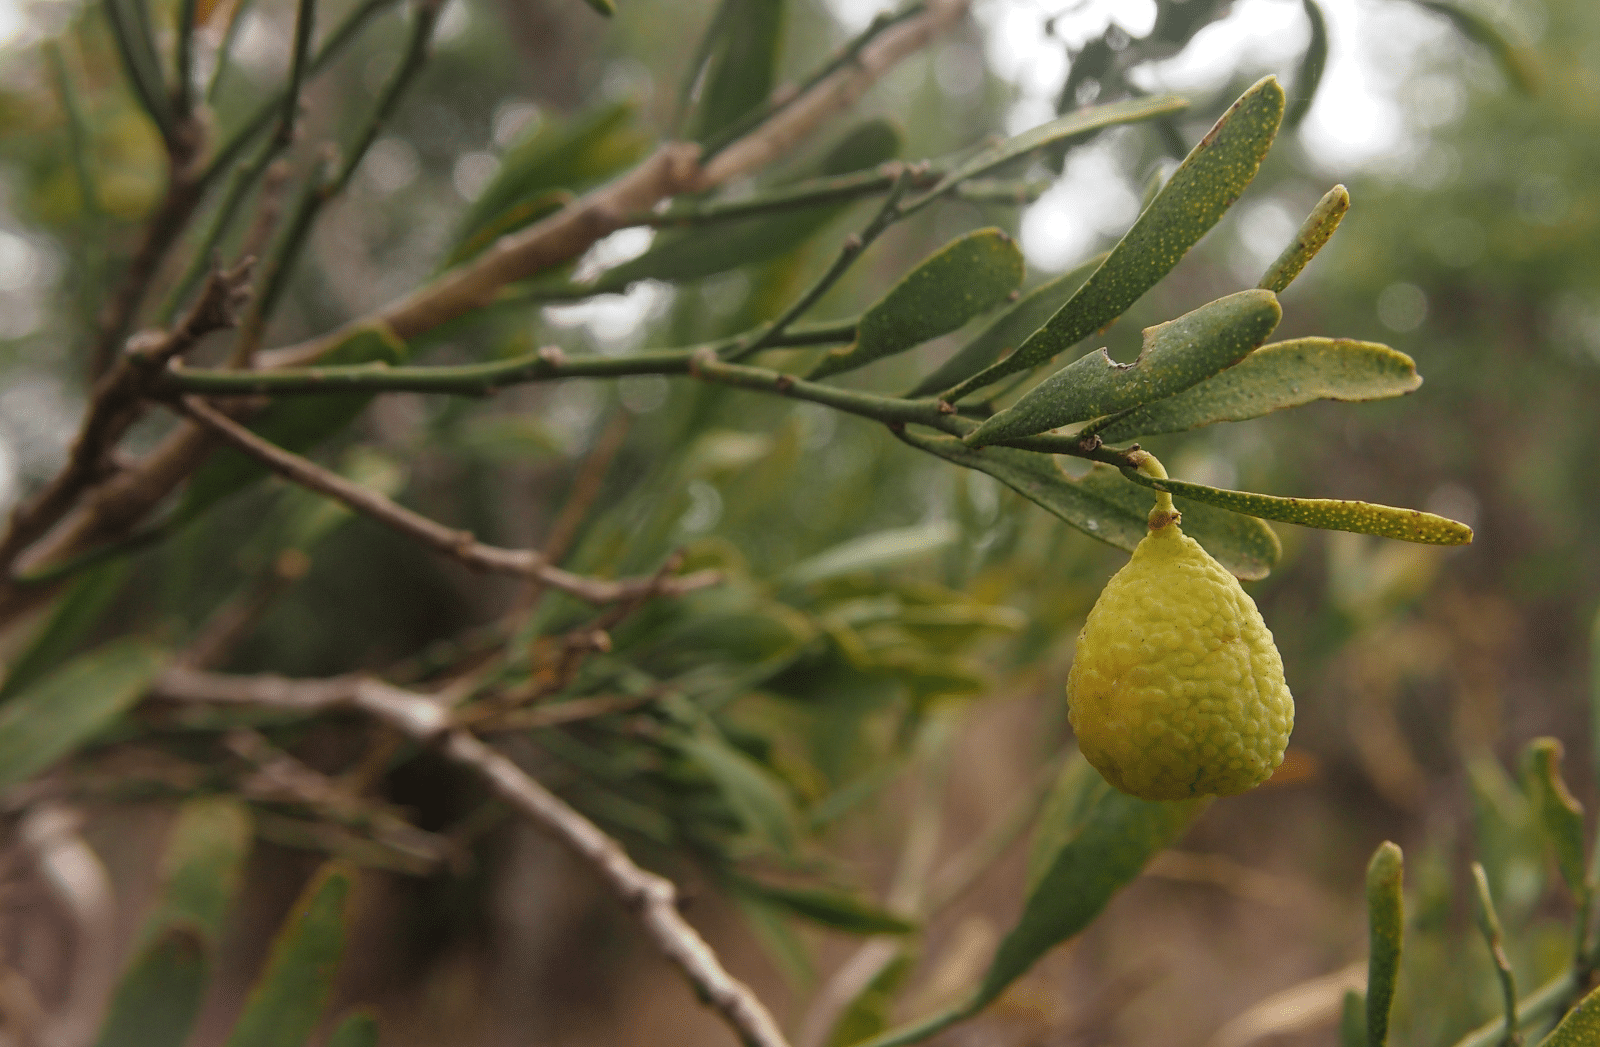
x=894, y=632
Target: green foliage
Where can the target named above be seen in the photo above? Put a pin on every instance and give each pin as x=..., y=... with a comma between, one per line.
x=1580, y=1027
x=160, y=994
x=1559, y=814
x=284, y=1006
x=1102, y=506
x=76, y=612
x=1314, y=233
x=357, y=1030
x=294, y=424
x=740, y=52
x=1276, y=376
x=1176, y=355
x=1193, y=200
x=56, y=714
x=1008, y=330
x=840, y=911
x=964, y=279
x=1312, y=64
x=1385, y=932
x=702, y=251
x=1407, y=525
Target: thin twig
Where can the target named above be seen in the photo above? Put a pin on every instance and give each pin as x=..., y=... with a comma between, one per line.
x=672, y=170
x=651, y=898
x=461, y=545
x=854, y=246
x=115, y=405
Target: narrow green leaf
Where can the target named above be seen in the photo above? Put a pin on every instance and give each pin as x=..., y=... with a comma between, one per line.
x=130, y=30
x=1515, y=60
x=1312, y=64
x=1177, y=355
x=1353, y=1020
x=1581, y=1026
x=1276, y=376
x=356, y=1030
x=968, y=276
x=605, y=8
x=869, y=1013
x=1594, y=691
x=1112, y=512
x=749, y=788
x=559, y=156
x=741, y=65
x=1330, y=514
x=1107, y=840
x=842, y=912
x=1203, y=187
x=701, y=251
x=1009, y=330
x=1246, y=546
x=287, y=1000
x=1489, y=926
x=205, y=858
x=76, y=612
x=1080, y=122
x=51, y=717
x=873, y=552
x=1315, y=231
x=295, y=423
x=1386, y=928
x=1560, y=814
x=156, y=1002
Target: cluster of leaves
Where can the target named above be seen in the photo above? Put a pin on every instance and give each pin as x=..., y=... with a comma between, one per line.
x=710, y=730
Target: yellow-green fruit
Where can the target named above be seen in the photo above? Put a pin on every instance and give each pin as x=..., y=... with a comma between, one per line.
x=1176, y=689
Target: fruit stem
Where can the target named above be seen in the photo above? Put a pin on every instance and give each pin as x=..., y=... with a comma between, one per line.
x=1165, y=512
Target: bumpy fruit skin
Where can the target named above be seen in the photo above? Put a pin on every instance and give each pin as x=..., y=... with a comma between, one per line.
x=1176, y=689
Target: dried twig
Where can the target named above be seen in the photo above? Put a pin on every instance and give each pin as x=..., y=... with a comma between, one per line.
x=651, y=898
x=461, y=545
x=115, y=405
x=673, y=170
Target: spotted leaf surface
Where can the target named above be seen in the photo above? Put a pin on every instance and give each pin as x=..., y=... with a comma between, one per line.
x=1177, y=355
x=1276, y=376
x=1203, y=187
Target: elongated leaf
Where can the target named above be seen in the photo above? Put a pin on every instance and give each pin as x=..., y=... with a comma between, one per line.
x=1106, y=840
x=157, y=1000
x=1076, y=123
x=1560, y=814
x=565, y=155
x=1353, y=1020
x=701, y=251
x=294, y=987
x=750, y=789
x=1112, y=512
x=1177, y=355
x=1514, y=59
x=160, y=995
x=1315, y=232
x=741, y=65
x=869, y=1013
x=1203, y=187
x=1276, y=376
x=205, y=857
x=295, y=423
x=1312, y=64
x=842, y=912
x=1009, y=330
x=357, y=1030
x=968, y=276
x=517, y=216
x=1581, y=1026
x=1594, y=692
x=1330, y=514
x=872, y=552
x=129, y=21
x=51, y=717
x=1386, y=928
x=76, y=612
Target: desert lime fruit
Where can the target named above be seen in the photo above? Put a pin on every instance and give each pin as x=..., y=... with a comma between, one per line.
x=1176, y=689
